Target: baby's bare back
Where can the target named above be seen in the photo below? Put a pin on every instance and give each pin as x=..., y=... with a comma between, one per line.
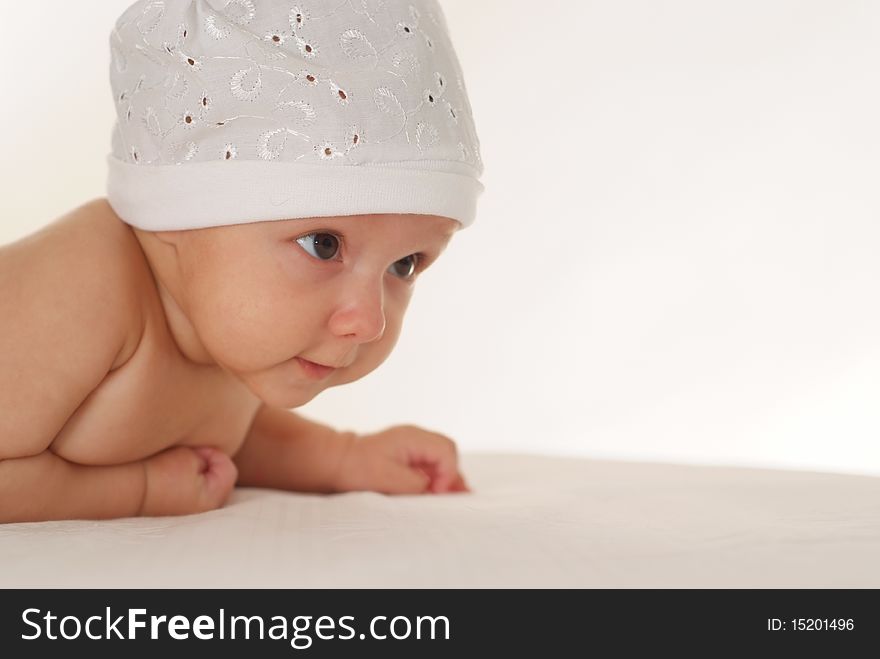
x=90, y=377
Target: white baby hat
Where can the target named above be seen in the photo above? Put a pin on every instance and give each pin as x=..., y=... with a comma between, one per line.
x=235, y=111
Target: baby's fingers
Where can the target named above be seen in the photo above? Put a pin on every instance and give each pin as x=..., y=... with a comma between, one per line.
x=454, y=483
x=400, y=479
x=458, y=485
x=438, y=457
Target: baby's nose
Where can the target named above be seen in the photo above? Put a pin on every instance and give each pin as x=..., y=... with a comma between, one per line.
x=362, y=318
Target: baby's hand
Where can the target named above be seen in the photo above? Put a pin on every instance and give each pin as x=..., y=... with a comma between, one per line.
x=401, y=460
x=184, y=480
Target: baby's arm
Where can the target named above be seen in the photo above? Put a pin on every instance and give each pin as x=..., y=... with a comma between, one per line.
x=178, y=481
x=284, y=451
x=45, y=487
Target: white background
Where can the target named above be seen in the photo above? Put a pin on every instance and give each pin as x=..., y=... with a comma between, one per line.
x=676, y=256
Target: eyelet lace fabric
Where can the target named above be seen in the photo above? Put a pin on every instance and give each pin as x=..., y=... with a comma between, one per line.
x=335, y=82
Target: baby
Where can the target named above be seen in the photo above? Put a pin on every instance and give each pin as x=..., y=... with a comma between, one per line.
x=281, y=173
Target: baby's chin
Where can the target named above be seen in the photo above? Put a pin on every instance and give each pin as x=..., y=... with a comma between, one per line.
x=288, y=400
x=279, y=388
x=288, y=396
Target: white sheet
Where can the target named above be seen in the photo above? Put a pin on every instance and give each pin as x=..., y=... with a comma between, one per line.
x=533, y=521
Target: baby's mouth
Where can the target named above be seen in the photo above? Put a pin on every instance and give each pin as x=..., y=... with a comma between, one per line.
x=314, y=371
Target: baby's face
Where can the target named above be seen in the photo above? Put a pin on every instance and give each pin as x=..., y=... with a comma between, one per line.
x=328, y=290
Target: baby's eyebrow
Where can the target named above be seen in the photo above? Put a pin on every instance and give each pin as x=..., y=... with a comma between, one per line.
x=436, y=243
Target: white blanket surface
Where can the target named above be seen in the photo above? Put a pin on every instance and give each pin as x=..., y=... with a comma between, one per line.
x=532, y=521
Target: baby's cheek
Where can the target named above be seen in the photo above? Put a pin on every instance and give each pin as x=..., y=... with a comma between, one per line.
x=238, y=336
x=370, y=357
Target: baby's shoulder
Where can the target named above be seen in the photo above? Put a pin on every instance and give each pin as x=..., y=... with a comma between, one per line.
x=70, y=312
x=92, y=256
x=115, y=254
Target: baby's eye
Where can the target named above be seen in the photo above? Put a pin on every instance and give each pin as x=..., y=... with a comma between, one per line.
x=325, y=244
x=407, y=266
x=326, y=247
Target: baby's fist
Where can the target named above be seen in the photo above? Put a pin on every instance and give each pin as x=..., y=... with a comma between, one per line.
x=184, y=480
x=401, y=460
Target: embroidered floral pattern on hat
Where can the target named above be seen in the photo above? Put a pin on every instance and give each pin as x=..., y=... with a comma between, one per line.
x=246, y=84
x=271, y=143
x=297, y=17
x=354, y=137
x=151, y=121
x=296, y=111
x=356, y=45
x=216, y=29
x=327, y=151
x=367, y=56
x=151, y=16
x=228, y=152
x=241, y=12
x=322, y=84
